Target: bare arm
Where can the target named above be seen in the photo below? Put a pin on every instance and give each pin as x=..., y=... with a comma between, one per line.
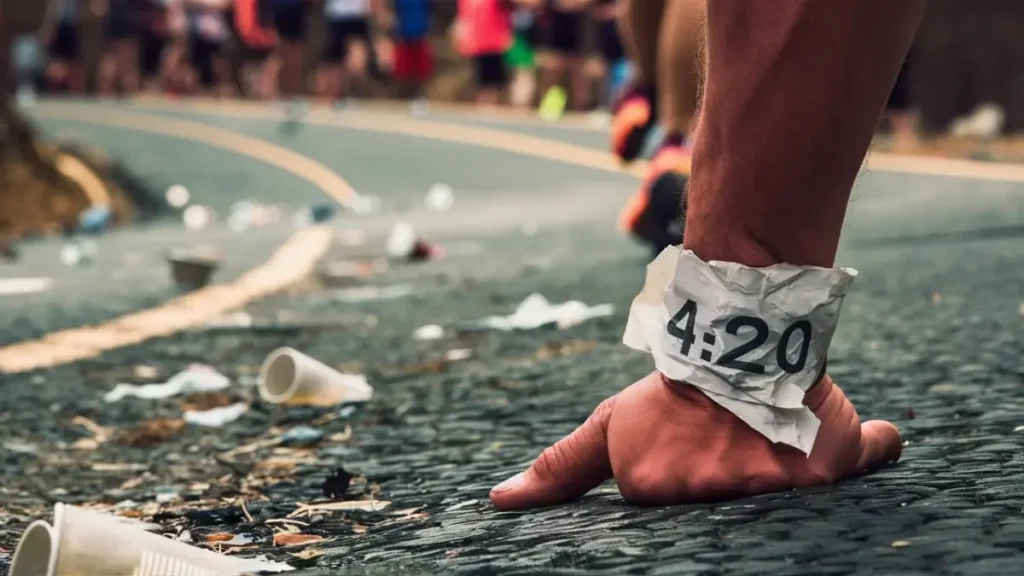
x=793, y=93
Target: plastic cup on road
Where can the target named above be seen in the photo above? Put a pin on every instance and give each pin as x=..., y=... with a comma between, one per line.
x=290, y=377
x=84, y=542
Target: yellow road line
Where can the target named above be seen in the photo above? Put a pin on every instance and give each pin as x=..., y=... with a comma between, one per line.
x=316, y=173
x=290, y=263
x=549, y=149
x=76, y=171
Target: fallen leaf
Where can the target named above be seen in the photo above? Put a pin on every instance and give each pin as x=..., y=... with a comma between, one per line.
x=219, y=537
x=151, y=432
x=292, y=539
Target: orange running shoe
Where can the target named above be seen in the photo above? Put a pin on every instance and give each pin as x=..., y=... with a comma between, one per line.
x=656, y=213
x=632, y=120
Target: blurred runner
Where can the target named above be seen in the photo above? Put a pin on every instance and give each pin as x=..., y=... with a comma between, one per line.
x=566, y=21
x=902, y=121
x=259, y=66
x=64, y=71
x=208, y=36
x=119, y=65
x=414, y=58
x=607, y=13
x=483, y=31
x=663, y=38
x=155, y=35
x=522, y=57
x=290, y=18
x=348, y=45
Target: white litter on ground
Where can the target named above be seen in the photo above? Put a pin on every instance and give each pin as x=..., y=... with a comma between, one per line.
x=440, y=197
x=177, y=196
x=428, y=332
x=216, y=417
x=195, y=378
x=13, y=286
x=535, y=311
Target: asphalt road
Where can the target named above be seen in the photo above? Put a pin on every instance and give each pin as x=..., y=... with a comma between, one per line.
x=933, y=324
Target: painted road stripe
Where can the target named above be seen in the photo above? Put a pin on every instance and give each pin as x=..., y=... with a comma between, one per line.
x=290, y=263
x=546, y=148
x=316, y=173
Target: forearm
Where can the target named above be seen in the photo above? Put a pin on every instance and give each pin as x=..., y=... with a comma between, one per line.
x=794, y=90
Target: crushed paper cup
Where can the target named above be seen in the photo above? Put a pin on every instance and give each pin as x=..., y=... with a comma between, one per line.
x=84, y=542
x=290, y=377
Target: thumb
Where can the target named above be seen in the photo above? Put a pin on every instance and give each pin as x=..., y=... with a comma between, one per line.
x=566, y=471
x=880, y=445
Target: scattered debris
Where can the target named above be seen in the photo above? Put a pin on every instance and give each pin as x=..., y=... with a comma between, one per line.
x=301, y=436
x=216, y=417
x=1019, y=429
x=908, y=413
x=364, y=204
x=337, y=484
x=14, y=286
x=151, y=432
x=197, y=217
x=19, y=447
x=440, y=197
x=295, y=539
x=99, y=433
x=404, y=243
x=203, y=401
x=195, y=378
x=428, y=332
x=362, y=505
x=144, y=372
x=349, y=272
x=95, y=219
x=574, y=346
x=177, y=196
x=314, y=214
x=372, y=293
x=936, y=298
x=901, y=544
x=230, y=540
x=191, y=270
x=290, y=377
x=535, y=311
x=457, y=354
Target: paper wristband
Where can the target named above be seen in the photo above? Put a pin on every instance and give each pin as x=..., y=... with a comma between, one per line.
x=752, y=339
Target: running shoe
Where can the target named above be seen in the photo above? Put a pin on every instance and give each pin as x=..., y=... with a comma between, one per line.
x=633, y=118
x=656, y=213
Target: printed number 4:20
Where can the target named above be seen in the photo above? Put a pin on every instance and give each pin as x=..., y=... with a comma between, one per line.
x=682, y=324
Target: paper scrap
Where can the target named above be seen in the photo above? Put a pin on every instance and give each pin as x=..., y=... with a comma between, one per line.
x=216, y=417
x=195, y=378
x=536, y=311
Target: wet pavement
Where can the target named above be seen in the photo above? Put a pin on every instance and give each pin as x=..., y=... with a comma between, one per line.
x=930, y=338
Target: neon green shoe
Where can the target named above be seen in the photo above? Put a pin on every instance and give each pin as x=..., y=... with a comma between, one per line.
x=552, y=105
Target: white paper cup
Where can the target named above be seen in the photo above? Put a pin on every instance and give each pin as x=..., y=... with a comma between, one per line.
x=290, y=377
x=86, y=543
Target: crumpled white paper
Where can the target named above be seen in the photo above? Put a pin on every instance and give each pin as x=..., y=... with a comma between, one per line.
x=536, y=311
x=216, y=417
x=195, y=378
x=770, y=402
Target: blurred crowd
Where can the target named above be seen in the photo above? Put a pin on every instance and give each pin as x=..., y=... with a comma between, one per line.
x=561, y=54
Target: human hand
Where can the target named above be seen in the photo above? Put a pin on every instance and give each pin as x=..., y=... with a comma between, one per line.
x=667, y=443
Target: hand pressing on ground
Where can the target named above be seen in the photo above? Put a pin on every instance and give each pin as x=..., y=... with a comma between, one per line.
x=667, y=443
